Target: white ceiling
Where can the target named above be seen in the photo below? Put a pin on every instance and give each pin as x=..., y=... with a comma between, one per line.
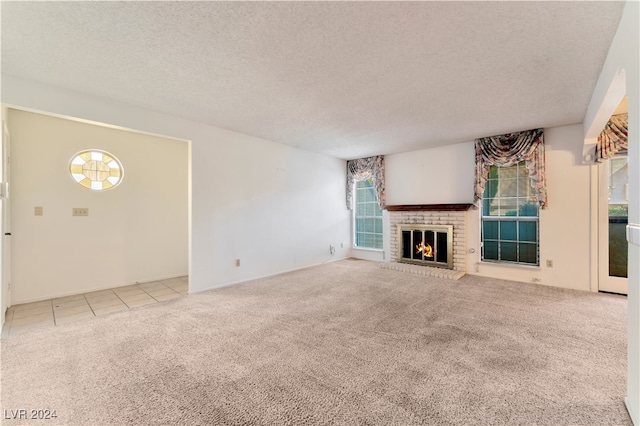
x=349, y=79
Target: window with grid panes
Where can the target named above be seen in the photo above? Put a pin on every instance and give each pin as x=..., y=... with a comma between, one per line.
x=367, y=216
x=510, y=217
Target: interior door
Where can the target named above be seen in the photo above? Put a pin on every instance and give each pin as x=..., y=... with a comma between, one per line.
x=612, y=220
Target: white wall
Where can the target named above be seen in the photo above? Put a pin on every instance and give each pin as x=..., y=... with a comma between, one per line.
x=135, y=232
x=274, y=207
x=621, y=74
x=442, y=175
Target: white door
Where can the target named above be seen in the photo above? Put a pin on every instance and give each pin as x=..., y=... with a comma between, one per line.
x=5, y=229
x=612, y=223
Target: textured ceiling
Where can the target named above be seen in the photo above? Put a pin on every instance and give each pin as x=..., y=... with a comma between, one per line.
x=349, y=79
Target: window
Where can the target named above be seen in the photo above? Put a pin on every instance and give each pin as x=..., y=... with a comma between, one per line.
x=368, y=216
x=510, y=217
x=97, y=170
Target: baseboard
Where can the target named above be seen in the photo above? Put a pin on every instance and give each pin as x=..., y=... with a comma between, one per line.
x=267, y=275
x=630, y=411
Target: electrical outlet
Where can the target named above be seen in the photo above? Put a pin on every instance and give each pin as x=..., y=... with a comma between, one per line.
x=536, y=280
x=549, y=263
x=80, y=211
x=37, y=211
x=332, y=250
x=341, y=245
x=237, y=262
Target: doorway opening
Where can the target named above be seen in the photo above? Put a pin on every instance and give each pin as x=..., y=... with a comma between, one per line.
x=72, y=239
x=614, y=210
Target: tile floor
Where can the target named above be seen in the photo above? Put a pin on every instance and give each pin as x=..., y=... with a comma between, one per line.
x=48, y=313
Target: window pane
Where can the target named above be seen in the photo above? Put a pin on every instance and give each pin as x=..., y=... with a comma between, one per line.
x=522, y=169
x=486, y=206
x=370, y=240
x=524, y=187
x=508, y=188
x=509, y=252
x=369, y=209
x=507, y=172
x=95, y=170
x=490, y=250
x=369, y=196
x=528, y=231
x=509, y=207
x=528, y=207
x=508, y=230
x=490, y=230
x=491, y=207
x=378, y=226
x=490, y=188
x=529, y=253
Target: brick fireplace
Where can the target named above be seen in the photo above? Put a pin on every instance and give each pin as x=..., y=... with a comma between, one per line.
x=427, y=227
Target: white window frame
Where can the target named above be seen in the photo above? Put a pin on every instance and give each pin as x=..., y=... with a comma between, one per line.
x=355, y=218
x=518, y=218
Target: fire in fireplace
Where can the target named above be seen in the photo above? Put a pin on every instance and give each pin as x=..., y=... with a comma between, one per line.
x=428, y=245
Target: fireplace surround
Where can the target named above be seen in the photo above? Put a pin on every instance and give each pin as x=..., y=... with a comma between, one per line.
x=451, y=217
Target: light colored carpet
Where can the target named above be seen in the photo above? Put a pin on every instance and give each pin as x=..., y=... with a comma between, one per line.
x=343, y=343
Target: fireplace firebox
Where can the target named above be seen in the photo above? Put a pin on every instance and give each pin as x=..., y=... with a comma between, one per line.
x=428, y=245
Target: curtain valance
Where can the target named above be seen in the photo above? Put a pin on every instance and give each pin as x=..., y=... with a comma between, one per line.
x=508, y=150
x=614, y=137
x=366, y=168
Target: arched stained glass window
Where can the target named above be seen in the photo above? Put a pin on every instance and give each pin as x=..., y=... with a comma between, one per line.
x=95, y=169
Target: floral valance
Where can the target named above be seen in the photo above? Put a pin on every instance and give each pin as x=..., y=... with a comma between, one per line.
x=366, y=168
x=508, y=150
x=614, y=137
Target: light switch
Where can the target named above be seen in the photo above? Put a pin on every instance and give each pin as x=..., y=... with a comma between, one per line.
x=37, y=210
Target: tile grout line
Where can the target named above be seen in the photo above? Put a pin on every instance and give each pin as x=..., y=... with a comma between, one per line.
x=157, y=299
x=125, y=303
x=89, y=303
x=139, y=288
x=53, y=312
